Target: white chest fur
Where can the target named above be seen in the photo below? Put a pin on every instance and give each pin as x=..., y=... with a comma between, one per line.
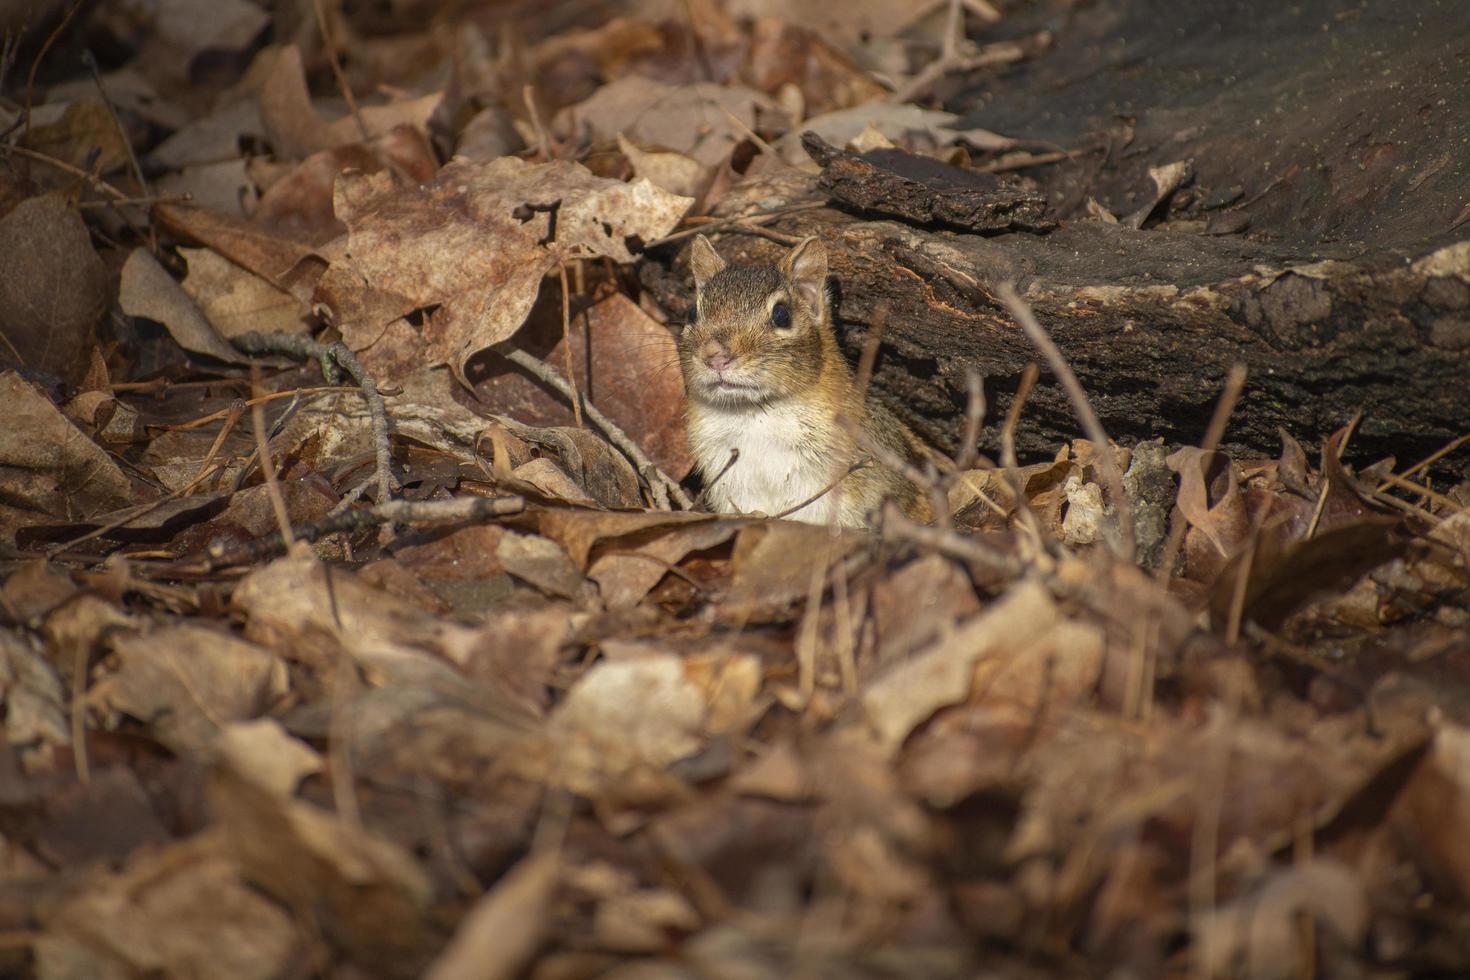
x=780, y=462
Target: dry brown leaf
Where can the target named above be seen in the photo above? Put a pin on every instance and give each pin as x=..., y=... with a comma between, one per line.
x=775, y=562
x=693, y=119
x=622, y=359
x=1211, y=500
x=47, y=466
x=582, y=532
x=33, y=589
x=782, y=53
x=182, y=910
x=261, y=752
x=223, y=187
x=365, y=891
x=598, y=471
x=35, y=720
x=920, y=602
x=186, y=681
x=147, y=290
x=621, y=725
x=675, y=172
x=53, y=288
x=185, y=33
x=292, y=124
x=627, y=570
x=85, y=128
x=497, y=938
x=542, y=563
x=237, y=301
x=281, y=261
x=847, y=25
x=993, y=650
x=1259, y=936
x=472, y=245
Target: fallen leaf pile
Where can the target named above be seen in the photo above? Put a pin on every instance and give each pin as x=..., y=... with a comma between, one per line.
x=595, y=732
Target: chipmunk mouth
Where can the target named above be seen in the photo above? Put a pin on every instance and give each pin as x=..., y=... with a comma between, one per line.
x=729, y=391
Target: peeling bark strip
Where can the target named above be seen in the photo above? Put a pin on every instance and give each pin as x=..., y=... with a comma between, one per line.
x=922, y=191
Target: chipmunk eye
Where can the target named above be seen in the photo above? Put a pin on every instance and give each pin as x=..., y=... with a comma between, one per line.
x=780, y=316
x=693, y=317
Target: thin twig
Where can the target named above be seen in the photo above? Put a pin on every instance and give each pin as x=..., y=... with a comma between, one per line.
x=268, y=469
x=454, y=510
x=528, y=96
x=91, y=64
x=41, y=56
x=1123, y=543
x=715, y=224
x=341, y=76
x=1011, y=467
x=1431, y=459
x=969, y=447
x=823, y=492
x=659, y=483
x=206, y=469
x=566, y=343
x=1423, y=492
x=332, y=356
x=951, y=544
x=97, y=182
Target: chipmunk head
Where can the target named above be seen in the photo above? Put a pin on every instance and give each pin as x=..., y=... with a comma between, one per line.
x=756, y=333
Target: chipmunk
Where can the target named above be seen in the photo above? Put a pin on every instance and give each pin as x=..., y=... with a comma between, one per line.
x=768, y=388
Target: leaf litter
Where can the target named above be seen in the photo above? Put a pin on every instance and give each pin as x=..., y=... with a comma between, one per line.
x=589, y=731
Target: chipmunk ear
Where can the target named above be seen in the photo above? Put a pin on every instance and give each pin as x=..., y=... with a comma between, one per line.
x=704, y=261
x=806, y=267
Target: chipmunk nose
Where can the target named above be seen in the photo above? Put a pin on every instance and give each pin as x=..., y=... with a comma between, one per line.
x=718, y=359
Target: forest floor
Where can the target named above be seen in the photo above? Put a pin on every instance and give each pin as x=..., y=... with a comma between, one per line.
x=358, y=618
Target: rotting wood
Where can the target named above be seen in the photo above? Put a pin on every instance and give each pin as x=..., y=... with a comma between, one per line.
x=1150, y=320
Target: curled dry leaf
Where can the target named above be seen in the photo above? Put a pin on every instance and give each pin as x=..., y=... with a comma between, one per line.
x=48, y=468
x=702, y=120
x=181, y=910
x=237, y=301
x=84, y=129
x=497, y=938
x=623, y=360
x=1259, y=936
x=626, y=571
x=597, y=470
x=261, y=752
x=996, y=654
x=147, y=290
x=365, y=891
x=473, y=246
x=186, y=681
x=624, y=723
x=1211, y=500
x=35, y=720
x=297, y=130
x=53, y=288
